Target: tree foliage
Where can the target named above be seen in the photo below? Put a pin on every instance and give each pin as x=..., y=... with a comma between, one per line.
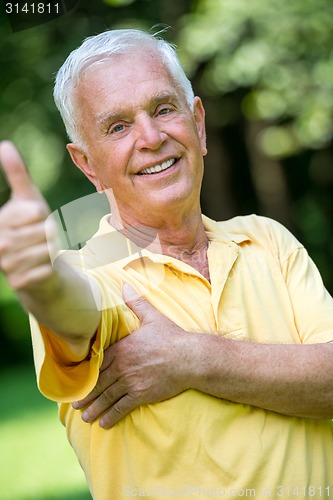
x=281, y=52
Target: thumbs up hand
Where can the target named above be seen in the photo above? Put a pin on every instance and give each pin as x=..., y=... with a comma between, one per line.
x=24, y=251
x=50, y=293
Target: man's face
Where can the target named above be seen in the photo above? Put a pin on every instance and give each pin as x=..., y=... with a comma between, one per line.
x=142, y=140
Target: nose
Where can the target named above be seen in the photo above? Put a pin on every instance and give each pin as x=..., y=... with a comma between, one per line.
x=149, y=133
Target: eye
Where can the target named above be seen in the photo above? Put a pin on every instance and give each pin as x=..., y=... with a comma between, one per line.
x=164, y=111
x=116, y=128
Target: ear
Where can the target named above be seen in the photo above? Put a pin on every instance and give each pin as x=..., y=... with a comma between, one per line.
x=81, y=160
x=199, y=116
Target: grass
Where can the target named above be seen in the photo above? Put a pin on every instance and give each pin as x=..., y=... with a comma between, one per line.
x=36, y=461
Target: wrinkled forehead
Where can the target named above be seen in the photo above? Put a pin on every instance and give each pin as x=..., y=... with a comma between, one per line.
x=124, y=62
x=127, y=71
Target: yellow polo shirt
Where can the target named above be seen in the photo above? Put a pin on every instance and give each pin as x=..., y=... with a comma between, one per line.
x=264, y=288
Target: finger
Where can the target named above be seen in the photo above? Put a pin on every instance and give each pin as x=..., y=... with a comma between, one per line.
x=138, y=304
x=95, y=393
x=108, y=358
x=16, y=172
x=118, y=411
x=104, y=402
x=12, y=238
x=28, y=258
x=105, y=380
x=30, y=279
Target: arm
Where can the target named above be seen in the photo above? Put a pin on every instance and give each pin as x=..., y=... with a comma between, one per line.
x=294, y=380
x=160, y=360
x=50, y=293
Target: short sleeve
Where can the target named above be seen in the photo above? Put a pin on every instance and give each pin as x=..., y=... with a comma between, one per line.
x=311, y=302
x=61, y=377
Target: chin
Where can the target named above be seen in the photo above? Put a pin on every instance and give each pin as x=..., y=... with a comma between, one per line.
x=170, y=204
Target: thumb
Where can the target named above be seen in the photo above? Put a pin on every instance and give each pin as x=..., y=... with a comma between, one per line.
x=16, y=172
x=141, y=307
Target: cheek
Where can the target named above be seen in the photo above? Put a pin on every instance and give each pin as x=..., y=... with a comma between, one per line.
x=112, y=174
x=104, y=163
x=190, y=137
x=117, y=156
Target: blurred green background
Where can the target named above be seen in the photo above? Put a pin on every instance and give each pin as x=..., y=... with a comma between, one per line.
x=264, y=70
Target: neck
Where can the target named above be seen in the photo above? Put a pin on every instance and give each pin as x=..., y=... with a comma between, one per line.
x=182, y=237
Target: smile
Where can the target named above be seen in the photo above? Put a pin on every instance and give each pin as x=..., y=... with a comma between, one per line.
x=158, y=168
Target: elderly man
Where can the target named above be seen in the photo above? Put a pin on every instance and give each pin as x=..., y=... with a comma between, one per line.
x=209, y=342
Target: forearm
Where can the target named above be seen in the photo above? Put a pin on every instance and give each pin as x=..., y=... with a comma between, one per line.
x=294, y=380
x=65, y=304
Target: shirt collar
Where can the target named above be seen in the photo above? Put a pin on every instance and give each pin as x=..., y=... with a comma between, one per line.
x=113, y=246
x=217, y=231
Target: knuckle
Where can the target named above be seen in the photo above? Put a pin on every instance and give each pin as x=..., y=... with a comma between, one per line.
x=8, y=264
x=30, y=211
x=45, y=253
x=138, y=394
x=106, y=397
x=5, y=213
x=16, y=282
x=136, y=389
x=5, y=245
x=37, y=211
x=97, y=389
x=41, y=273
x=121, y=366
x=117, y=409
x=140, y=301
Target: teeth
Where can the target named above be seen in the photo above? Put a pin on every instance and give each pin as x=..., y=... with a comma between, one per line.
x=158, y=168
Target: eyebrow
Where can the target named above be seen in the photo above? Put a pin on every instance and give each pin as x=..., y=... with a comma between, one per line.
x=112, y=116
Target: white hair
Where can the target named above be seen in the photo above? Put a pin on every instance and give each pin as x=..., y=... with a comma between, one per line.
x=98, y=48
